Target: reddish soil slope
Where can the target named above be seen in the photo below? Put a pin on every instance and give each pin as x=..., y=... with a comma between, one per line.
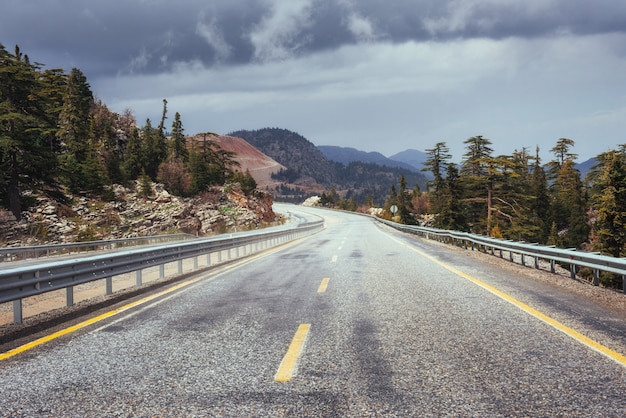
x=260, y=165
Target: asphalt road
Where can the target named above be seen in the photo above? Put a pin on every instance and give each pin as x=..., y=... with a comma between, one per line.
x=355, y=321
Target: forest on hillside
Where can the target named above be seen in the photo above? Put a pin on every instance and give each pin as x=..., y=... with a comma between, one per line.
x=359, y=182
x=518, y=197
x=56, y=138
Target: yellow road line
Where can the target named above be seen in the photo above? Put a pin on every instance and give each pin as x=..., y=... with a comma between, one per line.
x=73, y=328
x=594, y=345
x=287, y=367
x=323, y=285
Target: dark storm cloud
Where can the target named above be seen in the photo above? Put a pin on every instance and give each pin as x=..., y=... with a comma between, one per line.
x=149, y=36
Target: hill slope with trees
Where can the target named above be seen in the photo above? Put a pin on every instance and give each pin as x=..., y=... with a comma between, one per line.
x=360, y=182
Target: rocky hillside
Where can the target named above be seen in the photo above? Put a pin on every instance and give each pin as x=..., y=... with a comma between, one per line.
x=311, y=171
x=219, y=209
x=294, y=152
x=260, y=166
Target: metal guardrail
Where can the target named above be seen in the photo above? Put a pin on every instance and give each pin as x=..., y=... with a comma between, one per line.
x=576, y=259
x=19, y=282
x=37, y=251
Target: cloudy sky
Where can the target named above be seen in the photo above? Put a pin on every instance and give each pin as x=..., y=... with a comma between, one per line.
x=377, y=75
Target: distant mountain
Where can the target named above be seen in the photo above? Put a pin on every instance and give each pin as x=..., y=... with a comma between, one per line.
x=586, y=166
x=291, y=150
x=413, y=157
x=346, y=155
x=311, y=172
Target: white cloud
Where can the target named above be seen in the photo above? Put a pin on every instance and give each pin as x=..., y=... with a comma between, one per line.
x=461, y=14
x=275, y=37
x=212, y=34
x=361, y=28
x=140, y=61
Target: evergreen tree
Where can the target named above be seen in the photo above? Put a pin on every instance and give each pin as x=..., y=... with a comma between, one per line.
x=79, y=161
x=131, y=164
x=610, y=202
x=153, y=149
x=178, y=145
x=562, y=154
x=477, y=171
x=452, y=212
x=569, y=206
x=403, y=202
x=26, y=156
x=438, y=156
x=540, y=202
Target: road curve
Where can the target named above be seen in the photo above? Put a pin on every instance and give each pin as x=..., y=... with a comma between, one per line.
x=358, y=320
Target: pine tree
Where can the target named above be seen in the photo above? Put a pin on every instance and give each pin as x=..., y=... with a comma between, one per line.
x=562, y=154
x=131, y=164
x=26, y=155
x=403, y=202
x=540, y=202
x=153, y=150
x=438, y=156
x=178, y=145
x=610, y=202
x=81, y=167
x=477, y=172
x=570, y=206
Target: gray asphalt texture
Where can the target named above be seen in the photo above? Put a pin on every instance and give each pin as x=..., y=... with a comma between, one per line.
x=394, y=335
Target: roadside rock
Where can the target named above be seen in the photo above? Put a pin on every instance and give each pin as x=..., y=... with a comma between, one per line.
x=217, y=210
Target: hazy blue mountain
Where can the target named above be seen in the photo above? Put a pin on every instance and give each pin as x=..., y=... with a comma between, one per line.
x=347, y=155
x=586, y=166
x=412, y=157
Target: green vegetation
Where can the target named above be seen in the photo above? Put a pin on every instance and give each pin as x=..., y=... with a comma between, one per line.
x=517, y=197
x=55, y=137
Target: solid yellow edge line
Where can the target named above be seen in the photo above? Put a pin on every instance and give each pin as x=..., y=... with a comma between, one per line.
x=65, y=331
x=594, y=345
x=89, y=321
x=323, y=285
x=287, y=367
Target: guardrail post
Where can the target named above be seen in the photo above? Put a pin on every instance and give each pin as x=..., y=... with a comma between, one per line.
x=208, y=259
x=195, y=263
x=180, y=266
x=572, y=271
x=552, y=266
x=162, y=271
x=536, y=262
x=109, y=286
x=596, y=277
x=17, y=311
x=69, y=296
x=624, y=283
x=138, y=278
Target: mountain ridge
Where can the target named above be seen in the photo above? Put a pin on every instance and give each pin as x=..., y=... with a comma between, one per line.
x=310, y=171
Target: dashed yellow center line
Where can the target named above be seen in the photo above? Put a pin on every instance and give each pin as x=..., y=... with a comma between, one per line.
x=287, y=368
x=323, y=285
x=594, y=345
